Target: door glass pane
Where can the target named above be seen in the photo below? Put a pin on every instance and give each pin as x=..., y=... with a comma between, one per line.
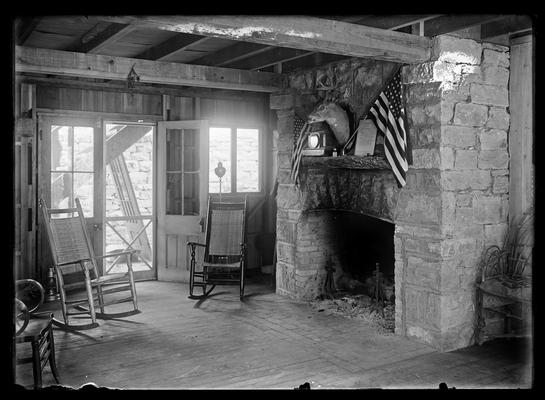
x=83, y=190
x=174, y=193
x=83, y=148
x=247, y=160
x=220, y=151
x=191, y=150
x=174, y=154
x=61, y=148
x=61, y=190
x=129, y=195
x=191, y=194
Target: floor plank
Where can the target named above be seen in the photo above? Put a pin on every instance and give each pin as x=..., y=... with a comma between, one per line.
x=265, y=342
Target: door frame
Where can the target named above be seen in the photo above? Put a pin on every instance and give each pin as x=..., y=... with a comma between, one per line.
x=45, y=120
x=138, y=275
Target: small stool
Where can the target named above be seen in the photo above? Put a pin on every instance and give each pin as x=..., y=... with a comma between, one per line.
x=39, y=333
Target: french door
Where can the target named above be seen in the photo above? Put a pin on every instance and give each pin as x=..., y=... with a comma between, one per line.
x=70, y=166
x=182, y=190
x=110, y=167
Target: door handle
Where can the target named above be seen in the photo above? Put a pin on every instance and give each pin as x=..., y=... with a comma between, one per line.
x=97, y=227
x=201, y=223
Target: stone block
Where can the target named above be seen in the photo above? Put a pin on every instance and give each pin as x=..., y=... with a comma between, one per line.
x=465, y=159
x=494, y=234
x=464, y=200
x=465, y=180
x=286, y=231
x=424, y=180
x=285, y=252
x=426, y=158
x=496, y=58
x=426, y=135
x=456, y=247
x=457, y=309
x=500, y=184
x=493, y=159
x=447, y=158
x=431, y=231
x=493, y=75
x=498, y=118
x=487, y=209
x=495, y=47
x=284, y=159
x=285, y=279
x=493, y=139
x=423, y=247
x=458, y=136
x=418, y=207
x=288, y=197
x=422, y=307
x=489, y=95
x=444, y=71
x=456, y=50
x=455, y=93
x=424, y=273
x=469, y=114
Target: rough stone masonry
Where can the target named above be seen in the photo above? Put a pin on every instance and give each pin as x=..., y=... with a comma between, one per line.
x=456, y=199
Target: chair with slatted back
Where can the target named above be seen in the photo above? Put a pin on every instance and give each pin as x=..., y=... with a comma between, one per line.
x=224, y=259
x=75, y=265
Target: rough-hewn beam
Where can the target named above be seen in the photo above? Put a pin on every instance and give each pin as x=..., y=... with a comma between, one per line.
x=304, y=33
x=170, y=46
x=289, y=56
x=105, y=37
x=232, y=53
x=64, y=63
x=23, y=29
x=509, y=24
x=456, y=22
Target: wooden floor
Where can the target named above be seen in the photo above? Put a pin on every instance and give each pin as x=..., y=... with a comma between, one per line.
x=267, y=341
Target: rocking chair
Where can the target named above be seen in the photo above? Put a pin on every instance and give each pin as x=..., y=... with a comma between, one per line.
x=74, y=256
x=224, y=251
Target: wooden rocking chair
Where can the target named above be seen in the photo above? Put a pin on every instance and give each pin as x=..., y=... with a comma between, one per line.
x=76, y=267
x=224, y=251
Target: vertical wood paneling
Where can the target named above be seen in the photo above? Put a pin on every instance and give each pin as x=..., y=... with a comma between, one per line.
x=521, y=129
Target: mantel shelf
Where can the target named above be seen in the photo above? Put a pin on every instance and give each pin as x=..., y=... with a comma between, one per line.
x=346, y=162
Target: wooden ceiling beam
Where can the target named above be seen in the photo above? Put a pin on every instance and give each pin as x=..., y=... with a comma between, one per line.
x=232, y=53
x=24, y=28
x=272, y=56
x=451, y=23
x=65, y=63
x=304, y=33
x=170, y=46
x=508, y=24
x=102, y=38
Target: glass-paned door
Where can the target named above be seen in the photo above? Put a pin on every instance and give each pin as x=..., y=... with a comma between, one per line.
x=128, y=196
x=70, y=167
x=182, y=189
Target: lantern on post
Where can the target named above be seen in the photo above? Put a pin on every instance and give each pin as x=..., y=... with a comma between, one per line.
x=220, y=172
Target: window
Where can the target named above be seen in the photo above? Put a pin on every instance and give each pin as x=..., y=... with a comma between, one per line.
x=72, y=167
x=238, y=151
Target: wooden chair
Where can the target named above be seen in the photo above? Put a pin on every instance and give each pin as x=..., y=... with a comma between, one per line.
x=73, y=254
x=35, y=328
x=224, y=260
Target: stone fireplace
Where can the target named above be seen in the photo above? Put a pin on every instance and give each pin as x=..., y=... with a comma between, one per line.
x=455, y=201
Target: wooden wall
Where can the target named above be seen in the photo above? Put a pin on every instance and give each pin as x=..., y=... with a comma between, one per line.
x=177, y=104
x=521, y=131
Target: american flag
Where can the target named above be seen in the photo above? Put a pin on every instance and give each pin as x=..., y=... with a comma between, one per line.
x=299, y=140
x=388, y=114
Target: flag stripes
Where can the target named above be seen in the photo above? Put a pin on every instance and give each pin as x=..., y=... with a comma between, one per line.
x=298, y=154
x=388, y=116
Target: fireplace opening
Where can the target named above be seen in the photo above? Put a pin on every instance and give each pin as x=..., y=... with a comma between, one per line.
x=361, y=243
